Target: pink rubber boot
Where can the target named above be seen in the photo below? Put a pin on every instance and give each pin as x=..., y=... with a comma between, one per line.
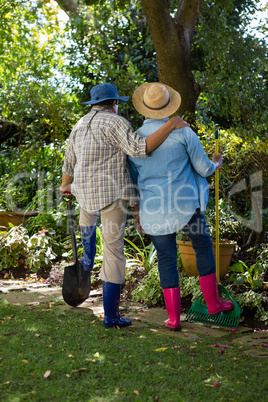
x=210, y=290
x=173, y=304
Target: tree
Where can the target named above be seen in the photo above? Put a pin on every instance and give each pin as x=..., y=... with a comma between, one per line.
x=173, y=25
x=172, y=38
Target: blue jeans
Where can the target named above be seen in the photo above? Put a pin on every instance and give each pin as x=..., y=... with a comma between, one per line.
x=166, y=248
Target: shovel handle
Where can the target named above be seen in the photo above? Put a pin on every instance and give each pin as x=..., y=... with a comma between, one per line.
x=72, y=228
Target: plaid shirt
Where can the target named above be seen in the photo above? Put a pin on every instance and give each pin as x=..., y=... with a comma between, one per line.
x=96, y=157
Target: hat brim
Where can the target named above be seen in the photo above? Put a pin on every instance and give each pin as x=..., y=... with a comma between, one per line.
x=93, y=102
x=172, y=107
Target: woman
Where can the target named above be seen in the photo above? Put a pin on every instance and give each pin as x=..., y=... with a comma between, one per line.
x=173, y=194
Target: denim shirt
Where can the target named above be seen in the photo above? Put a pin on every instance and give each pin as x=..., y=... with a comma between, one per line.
x=171, y=180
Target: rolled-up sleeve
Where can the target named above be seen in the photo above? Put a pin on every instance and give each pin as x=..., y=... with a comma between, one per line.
x=69, y=158
x=123, y=136
x=199, y=160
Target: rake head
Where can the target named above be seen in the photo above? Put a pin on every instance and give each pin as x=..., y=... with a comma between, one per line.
x=199, y=313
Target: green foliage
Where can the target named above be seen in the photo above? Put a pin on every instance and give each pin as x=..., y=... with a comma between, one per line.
x=244, y=166
x=189, y=286
x=251, y=276
x=246, y=275
x=114, y=46
x=17, y=248
x=230, y=64
x=145, y=256
x=149, y=291
x=31, y=176
x=254, y=300
x=230, y=227
x=31, y=56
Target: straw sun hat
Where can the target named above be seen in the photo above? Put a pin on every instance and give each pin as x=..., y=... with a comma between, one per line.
x=155, y=100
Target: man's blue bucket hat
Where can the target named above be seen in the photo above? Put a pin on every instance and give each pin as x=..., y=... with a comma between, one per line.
x=104, y=92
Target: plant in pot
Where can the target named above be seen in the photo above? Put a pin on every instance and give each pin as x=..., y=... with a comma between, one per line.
x=16, y=205
x=228, y=228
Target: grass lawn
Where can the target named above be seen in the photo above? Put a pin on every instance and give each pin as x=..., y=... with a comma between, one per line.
x=48, y=354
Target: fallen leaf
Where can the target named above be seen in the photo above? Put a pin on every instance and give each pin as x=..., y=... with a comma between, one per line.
x=160, y=349
x=47, y=374
x=210, y=368
x=136, y=392
x=37, y=335
x=25, y=361
x=79, y=370
x=71, y=356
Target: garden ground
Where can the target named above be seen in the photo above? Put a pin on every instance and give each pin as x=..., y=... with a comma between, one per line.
x=53, y=352
x=39, y=293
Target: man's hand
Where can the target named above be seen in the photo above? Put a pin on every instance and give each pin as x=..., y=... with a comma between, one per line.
x=218, y=160
x=66, y=190
x=65, y=187
x=179, y=122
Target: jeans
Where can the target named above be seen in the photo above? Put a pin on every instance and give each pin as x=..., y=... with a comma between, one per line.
x=166, y=248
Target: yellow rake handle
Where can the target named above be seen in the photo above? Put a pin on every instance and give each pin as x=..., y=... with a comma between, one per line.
x=217, y=208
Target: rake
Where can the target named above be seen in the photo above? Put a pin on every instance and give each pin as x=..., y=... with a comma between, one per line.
x=198, y=311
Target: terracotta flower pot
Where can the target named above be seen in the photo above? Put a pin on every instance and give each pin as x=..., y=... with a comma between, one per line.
x=16, y=218
x=189, y=260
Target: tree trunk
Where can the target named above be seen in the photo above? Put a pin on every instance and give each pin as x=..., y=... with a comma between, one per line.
x=172, y=40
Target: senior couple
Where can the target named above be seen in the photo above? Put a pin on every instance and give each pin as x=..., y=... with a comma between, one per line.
x=107, y=165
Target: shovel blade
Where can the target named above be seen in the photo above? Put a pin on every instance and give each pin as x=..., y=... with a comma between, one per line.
x=76, y=284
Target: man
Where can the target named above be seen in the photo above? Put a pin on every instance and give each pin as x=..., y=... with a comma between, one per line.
x=173, y=194
x=95, y=170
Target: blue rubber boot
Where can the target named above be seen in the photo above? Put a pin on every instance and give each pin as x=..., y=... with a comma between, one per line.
x=88, y=235
x=111, y=300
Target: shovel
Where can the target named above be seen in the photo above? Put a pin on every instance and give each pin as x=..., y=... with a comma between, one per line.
x=76, y=281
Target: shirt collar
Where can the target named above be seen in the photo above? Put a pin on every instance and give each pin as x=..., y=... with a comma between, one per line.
x=146, y=121
x=98, y=108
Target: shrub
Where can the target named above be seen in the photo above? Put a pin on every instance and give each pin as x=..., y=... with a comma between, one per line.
x=149, y=291
x=17, y=248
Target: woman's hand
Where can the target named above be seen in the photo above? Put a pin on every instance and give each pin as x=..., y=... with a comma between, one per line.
x=138, y=225
x=218, y=160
